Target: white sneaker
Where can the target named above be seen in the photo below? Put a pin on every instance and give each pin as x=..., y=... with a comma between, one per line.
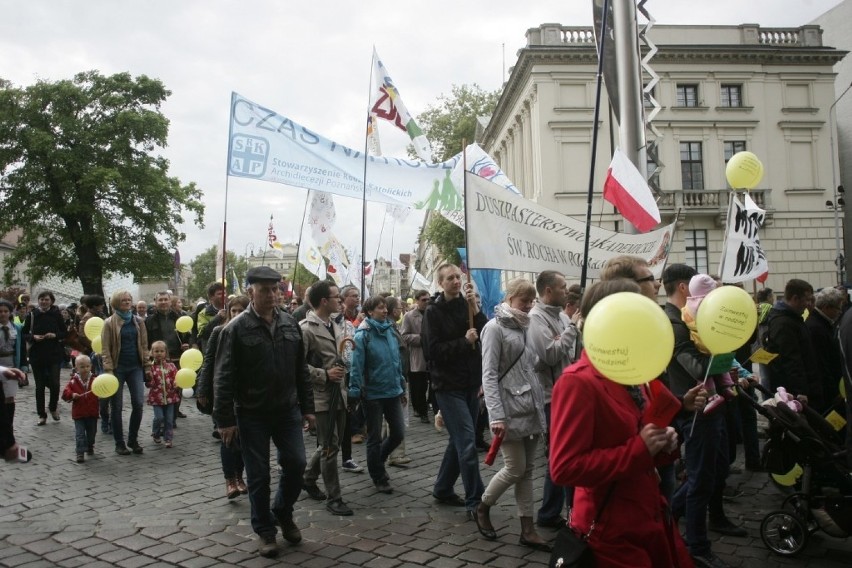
x=352, y=467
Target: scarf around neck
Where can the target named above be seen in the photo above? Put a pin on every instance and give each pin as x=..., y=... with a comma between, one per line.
x=507, y=313
x=125, y=316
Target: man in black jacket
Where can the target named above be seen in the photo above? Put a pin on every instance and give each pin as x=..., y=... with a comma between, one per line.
x=451, y=346
x=795, y=368
x=705, y=436
x=263, y=391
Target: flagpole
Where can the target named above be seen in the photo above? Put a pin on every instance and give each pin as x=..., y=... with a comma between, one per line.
x=227, y=178
x=263, y=256
x=364, y=193
x=466, y=228
x=299, y=242
x=585, y=270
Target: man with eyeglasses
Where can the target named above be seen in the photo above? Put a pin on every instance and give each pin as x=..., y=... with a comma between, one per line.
x=632, y=268
x=263, y=392
x=412, y=324
x=322, y=336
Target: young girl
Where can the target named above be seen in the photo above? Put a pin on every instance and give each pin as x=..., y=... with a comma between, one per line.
x=163, y=393
x=84, y=406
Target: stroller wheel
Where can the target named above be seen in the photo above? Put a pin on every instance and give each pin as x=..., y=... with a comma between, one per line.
x=784, y=533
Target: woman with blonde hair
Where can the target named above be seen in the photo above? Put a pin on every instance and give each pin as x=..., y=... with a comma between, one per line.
x=125, y=355
x=515, y=401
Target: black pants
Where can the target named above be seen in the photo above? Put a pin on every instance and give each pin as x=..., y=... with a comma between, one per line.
x=46, y=376
x=419, y=387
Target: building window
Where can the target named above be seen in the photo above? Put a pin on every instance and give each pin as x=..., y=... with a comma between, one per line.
x=732, y=147
x=646, y=100
x=691, y=169
x=696, y=250
x=687, y=95
x=732, y=95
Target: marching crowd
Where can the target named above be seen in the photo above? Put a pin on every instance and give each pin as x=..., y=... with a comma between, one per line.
x=638, y=492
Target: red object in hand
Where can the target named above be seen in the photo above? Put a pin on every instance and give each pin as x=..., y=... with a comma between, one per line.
x=492, y=451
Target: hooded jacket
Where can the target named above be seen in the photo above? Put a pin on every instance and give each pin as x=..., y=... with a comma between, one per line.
x=376, y=362
x=453, y=364
x=513, y=393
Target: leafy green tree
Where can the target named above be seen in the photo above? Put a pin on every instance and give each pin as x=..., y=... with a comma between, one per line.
x=445, y=236
x=79, y=173
x=203, y=269
x=301, y=278
x=453, y=119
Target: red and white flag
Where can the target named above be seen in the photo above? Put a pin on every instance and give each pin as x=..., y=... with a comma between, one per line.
x=627, y=189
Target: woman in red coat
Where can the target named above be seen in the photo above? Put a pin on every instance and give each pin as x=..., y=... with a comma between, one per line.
x=600, y=445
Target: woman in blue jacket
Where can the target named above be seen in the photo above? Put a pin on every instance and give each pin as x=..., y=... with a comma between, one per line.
x=376, y=378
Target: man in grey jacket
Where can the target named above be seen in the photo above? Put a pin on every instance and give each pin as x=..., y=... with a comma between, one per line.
x=553, y=340
x=322, y=337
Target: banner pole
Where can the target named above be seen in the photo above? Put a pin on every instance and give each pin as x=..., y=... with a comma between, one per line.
x=364, y=192
x=595, y=129
x=299, y=242
x=466, y=229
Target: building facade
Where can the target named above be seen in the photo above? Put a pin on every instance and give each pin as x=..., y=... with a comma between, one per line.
x=722, y=89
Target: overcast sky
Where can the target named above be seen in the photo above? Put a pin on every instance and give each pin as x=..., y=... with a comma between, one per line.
x=310, y=61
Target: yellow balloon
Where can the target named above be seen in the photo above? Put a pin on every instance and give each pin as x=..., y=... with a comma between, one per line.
x=97, y=346
x=104, y=386
x=628, y=338
x=184, y=324
x=726, y=319
x=744, y=170
x=185, y=378
x=788, y=479
x=93, y=327
x=191, y=359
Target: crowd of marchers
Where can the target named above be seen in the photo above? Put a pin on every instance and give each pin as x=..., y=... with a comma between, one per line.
x=517, y=381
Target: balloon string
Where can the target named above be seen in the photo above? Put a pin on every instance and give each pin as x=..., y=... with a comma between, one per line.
x=706, y=374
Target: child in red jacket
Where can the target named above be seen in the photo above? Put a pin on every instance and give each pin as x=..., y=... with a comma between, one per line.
x=163, y=393
x=84, y=406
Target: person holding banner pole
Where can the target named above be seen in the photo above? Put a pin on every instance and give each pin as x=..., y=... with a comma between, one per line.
x=453, y=351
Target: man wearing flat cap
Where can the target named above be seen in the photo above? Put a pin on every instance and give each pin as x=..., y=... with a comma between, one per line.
x=263, y=391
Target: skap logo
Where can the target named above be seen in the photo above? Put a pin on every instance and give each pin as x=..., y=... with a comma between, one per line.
x=248, y=156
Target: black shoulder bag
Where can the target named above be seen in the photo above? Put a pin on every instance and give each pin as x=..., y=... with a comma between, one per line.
x=571, y=550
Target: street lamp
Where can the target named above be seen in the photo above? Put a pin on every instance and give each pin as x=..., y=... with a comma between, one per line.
x=838, y=202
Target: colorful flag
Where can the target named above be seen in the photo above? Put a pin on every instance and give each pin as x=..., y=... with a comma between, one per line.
x=626, y=188
x=386, y=103
x=273, y=239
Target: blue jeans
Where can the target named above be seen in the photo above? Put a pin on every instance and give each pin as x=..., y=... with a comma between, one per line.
x=84, y=433
x=164, y=420
x=284, y=428
x=377, y=449
x=555, y=497
x=136, y=385
x=459, y=410
x=706, y=460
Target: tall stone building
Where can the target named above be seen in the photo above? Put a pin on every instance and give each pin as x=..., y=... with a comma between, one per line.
x=722, y=89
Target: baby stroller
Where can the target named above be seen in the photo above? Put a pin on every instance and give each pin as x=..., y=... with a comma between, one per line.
x=822, y=497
